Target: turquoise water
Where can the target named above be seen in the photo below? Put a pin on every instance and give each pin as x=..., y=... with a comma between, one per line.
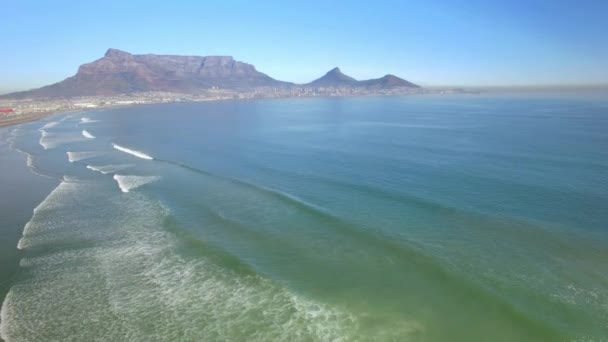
x=422, y=218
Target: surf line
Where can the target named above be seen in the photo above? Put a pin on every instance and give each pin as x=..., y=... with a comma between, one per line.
x=135, y=153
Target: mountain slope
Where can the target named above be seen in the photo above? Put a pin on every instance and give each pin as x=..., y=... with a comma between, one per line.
x=120, y=72
x=388, y=81
x=335, y=78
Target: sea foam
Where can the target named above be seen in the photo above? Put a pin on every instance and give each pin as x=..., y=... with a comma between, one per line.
x=47, y=203
x=128, y=183
x=135, y=153
x=105, y=169
x=49, y=125
x=87, y=135
x=77, y=156
x=50, y=140
x=87, y=120
x=132, y=265
x=30, y=161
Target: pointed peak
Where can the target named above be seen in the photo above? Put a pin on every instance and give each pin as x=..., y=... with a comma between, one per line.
x=335, y=70
x=116, y=53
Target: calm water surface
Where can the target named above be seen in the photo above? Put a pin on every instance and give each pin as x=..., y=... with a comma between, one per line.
x=431, y=218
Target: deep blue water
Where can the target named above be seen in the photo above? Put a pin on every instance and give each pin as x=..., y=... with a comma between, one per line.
x=423, y=218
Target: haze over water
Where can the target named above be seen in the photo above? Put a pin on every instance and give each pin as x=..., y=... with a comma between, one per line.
x=421, y=218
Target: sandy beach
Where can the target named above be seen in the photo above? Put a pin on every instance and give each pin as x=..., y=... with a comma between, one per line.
x=23, y=119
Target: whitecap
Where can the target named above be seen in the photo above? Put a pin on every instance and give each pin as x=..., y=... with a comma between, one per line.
x=105, y=169
x=77, y=156
x=116, y=281
x=86, y=120
x=128, y=183
x=87, y=135
x=135, y=153
x=30, y=160
x=51, y=140
x=49, y=125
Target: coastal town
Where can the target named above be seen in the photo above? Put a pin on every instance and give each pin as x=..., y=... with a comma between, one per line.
x=121, y=79
x=13, y=111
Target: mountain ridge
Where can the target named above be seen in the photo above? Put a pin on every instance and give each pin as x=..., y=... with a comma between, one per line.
x=120, y=72
x=336, y=78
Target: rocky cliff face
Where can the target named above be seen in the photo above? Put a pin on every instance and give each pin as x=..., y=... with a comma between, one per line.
x=120, y=72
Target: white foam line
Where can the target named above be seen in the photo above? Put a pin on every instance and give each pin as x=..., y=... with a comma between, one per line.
x=30, y=160
x=132, y=152
x=105, y=169
x=77, y=156
x=21, y=241
x=87, y=135
x=49, y=125
x=4, y=318
x=87, y=120
x=127, y=183
x=42, y=141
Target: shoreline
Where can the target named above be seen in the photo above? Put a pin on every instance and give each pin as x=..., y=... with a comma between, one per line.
x=21, y=208
x=25, y=118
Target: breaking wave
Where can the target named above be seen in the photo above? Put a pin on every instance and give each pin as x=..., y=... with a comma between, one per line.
x=77, y=156
x=49, y=125
x=87, y=120
x=135, y=153
x=128, y=183
x=114, y=280
x=105, y=169
x=50, y=140
x=49, y=202
x=87, y=135
x=30, y=160
x=44, y=139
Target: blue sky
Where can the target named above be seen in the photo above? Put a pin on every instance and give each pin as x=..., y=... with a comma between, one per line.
x=437, y=43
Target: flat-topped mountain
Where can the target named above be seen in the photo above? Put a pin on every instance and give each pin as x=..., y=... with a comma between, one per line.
x=335, y=78
x=120, y=72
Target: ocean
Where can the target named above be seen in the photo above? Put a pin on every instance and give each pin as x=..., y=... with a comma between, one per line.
x=416, y=218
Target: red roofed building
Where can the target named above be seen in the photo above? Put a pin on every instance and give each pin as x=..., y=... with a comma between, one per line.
x=6, y=110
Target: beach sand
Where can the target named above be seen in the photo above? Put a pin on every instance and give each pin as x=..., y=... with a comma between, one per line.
x=23, y=119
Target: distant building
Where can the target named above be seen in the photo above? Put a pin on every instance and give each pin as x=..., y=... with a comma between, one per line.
x=6, y=110
x=85, y=105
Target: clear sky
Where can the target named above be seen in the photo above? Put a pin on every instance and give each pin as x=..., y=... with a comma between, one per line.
x=473, y=42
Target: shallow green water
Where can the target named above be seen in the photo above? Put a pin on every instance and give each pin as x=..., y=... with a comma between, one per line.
x=456, y=218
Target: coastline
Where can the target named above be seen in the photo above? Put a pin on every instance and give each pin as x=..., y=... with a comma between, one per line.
x=20, y=206
x=25, y=119
x=150, y=98
x=381, y=122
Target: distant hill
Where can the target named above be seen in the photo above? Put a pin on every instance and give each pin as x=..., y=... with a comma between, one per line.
x=335, y=78
x=388, y=81
x=120, y=72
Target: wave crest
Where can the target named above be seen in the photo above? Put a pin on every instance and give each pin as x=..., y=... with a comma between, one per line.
x=105, y=169
x=77, y=156
x=87, y=135
x=49, y=125
x=128, y=183
x=135, y=153
x=87, y=120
